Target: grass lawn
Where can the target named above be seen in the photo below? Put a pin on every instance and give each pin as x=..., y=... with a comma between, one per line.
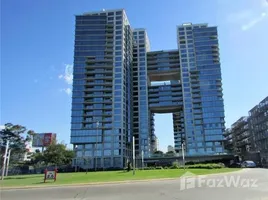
x=91, y=177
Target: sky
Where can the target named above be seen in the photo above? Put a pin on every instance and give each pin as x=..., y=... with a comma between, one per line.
x=37, y=43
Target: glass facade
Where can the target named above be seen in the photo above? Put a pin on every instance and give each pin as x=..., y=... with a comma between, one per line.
x=141, y=123
x=119, y=84
x=202, y=89
x=102, y=89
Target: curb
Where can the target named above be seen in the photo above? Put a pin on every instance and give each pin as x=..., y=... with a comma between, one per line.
x=86, y=184
x=111, y=182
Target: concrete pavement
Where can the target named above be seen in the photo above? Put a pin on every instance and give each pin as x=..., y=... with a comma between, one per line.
x=249, y=184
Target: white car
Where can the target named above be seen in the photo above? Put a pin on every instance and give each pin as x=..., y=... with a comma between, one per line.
x=248, y=164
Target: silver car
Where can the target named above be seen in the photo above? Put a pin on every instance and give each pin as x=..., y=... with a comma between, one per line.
x=248, y=164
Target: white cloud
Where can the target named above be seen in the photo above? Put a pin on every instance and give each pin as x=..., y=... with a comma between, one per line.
x=264, y=3
x=248, y=18
x=238, y=17
x=258, y=17
x=68, y=75
x=253, y=22
x=67, y=91
x=2, y=127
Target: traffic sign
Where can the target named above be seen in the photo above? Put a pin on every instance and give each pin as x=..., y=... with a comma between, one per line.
x=50, y=175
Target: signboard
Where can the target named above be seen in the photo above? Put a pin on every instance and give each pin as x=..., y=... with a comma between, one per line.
x=50, y=175
x=43, y=139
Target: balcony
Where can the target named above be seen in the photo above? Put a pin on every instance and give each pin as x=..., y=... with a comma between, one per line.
x=195, y=86
x=94, y=83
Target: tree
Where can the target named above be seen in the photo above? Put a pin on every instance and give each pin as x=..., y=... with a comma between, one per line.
x=170, y=153
x=58, y=154
x=68, y=156
x=159, y=152
x=17, y=136
x=37, y=160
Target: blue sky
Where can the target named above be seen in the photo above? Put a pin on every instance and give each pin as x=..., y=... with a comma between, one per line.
x=37, y=42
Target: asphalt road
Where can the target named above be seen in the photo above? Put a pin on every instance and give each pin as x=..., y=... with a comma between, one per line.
x=248, y=184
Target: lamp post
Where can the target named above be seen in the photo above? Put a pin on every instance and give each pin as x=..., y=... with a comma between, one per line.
x=75, y=159
x=8, y=160
x=5, y=159
x=133, y=154
x=96, y=148
x=142, y=159
x=183, y=159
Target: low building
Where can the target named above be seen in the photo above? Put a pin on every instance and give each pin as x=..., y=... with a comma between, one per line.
x=248, y=136
x=241, y=136
x=229, y=141
x=170, y=148
x=157, y=144
x=258, y=123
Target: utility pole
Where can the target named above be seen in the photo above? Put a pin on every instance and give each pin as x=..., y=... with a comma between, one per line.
x=133, y=154
x=8, y=159
x=5, y=158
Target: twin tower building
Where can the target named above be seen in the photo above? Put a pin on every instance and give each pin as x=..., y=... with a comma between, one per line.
x=119, y=84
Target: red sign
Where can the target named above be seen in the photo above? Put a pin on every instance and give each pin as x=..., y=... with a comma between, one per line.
x=47, y=139
x=50, y=175
x=43, y=139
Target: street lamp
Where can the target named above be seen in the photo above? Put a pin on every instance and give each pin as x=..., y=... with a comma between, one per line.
x=5, y=159
x=75, y=159
x=8, y=160
x=183, y=159
x=96, y=160
x=142, y=153
x=133, y=154
x=142, y=159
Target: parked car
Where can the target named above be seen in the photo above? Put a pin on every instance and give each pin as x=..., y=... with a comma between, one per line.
x=248, y=164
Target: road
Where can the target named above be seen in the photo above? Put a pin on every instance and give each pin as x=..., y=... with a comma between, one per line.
x=248, y=184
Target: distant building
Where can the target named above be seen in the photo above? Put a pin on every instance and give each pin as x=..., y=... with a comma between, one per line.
x=27, y=155
x=170, y=148
x=157, y=144
x=258, y=124
x=229, y=141
x=248, y=136
x=240, y=137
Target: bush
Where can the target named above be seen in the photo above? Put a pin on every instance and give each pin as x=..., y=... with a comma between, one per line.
x=148, y=168
x=189, y=163
x=175, y=165
x=159, y=167
x=222, y=164
x=206, y=166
